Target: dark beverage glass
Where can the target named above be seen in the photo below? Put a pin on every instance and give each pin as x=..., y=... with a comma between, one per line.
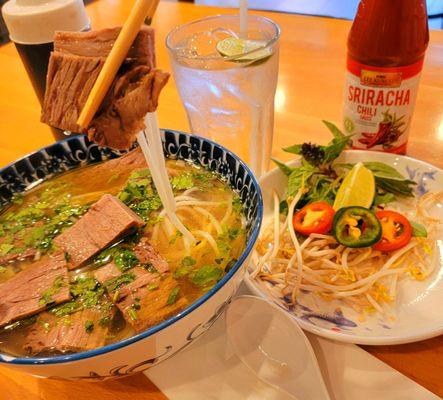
x=35, y=58
x=32, y=25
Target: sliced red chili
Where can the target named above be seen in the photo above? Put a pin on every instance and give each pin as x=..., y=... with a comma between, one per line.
x=396, y=231
x=316, y=217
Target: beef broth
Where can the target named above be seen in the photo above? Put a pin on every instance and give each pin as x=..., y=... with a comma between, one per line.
x=130, y=269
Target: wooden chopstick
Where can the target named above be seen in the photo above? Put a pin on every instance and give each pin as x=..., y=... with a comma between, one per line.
x=151, y=12
x=115, y=59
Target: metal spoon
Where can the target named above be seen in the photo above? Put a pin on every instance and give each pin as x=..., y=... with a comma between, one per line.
x=270, y=343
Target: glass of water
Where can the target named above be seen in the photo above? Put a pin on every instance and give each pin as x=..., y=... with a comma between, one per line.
x=229, y=98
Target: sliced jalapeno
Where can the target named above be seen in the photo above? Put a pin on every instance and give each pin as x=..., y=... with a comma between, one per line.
x=356, y=227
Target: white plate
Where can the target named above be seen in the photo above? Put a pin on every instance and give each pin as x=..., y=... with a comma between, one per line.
x=418, y=307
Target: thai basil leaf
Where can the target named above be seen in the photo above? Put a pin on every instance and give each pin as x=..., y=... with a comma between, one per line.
x=384, y=198
x=295, y=149
x=283, y=167
x=382, y=170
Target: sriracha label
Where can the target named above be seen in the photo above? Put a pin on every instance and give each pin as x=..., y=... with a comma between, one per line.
x=379, y=103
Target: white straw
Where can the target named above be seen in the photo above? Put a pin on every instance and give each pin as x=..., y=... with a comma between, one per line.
x=150, y=143
x=243, y=19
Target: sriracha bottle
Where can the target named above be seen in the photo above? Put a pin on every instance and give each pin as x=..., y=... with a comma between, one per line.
x=386, y=48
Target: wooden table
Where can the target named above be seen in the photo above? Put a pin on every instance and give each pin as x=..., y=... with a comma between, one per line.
x=310, y=89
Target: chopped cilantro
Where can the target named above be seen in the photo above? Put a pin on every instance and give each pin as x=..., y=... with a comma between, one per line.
x=47, y=296
x=37, y=223
x=173, y=296
x=89, y=326
x=125, y=260
x=153, y=286
x=140, y=195
x=237, y=205
x=86, y=293
x=206, y=275
x=175, y=237
x=119, y=281
x=185, y=268
x=66, y=308
x=106, y=320
x=2, y=269
x=132, y=313
x=5, y=248
x=188, y=261
x=150, y=268
x=182, y=182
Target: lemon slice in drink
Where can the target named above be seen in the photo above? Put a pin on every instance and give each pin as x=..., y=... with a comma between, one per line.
x=231, y=47
x=357, y=189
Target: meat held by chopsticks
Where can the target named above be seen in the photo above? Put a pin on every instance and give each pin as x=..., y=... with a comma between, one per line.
x=74, y=66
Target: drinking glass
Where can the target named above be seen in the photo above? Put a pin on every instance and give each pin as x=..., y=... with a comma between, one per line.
x=229, y=99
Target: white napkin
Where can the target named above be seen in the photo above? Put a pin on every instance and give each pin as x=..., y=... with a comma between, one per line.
x=208, y=369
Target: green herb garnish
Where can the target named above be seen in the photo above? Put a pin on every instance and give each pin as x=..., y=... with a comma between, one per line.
x=47, y=296
x=319, y=178
x=115, y=283
x=206, y=275
x=89, y=326
x=140, y=195
x=132, y=313
x=173, y=296
x=183, y=181
x=185, y=267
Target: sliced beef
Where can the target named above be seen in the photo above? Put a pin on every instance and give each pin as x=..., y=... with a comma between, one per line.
x=69, y=81
x=148, y=255
x=80, y=331
x=134, y=159
x=121, y=115
x=32, y=290
x=105, y=221
x=147, y=306
x=142, y=293
x=12, y=257
x=72, y=71
x=99, y=44
x=107, y=272
x=109, y=276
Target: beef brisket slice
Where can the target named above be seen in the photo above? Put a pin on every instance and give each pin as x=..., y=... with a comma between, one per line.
x=30, y=291
x=69, y=81
x=67, y=334
x=146, y=307
x=99, y=44
x=73, y=69
x=106, y=220
x=110, y=274
x=121, y=115
x=148, y=255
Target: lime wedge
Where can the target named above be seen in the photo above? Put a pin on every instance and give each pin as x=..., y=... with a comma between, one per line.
x=232, y=47
x=357, y=189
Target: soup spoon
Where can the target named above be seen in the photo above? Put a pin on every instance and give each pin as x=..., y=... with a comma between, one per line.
x=271, y=344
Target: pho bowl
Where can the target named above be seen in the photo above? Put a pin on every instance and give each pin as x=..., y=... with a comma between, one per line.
x=148, y=348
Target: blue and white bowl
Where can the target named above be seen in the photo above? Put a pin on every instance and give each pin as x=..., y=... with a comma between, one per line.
x=144, y=350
